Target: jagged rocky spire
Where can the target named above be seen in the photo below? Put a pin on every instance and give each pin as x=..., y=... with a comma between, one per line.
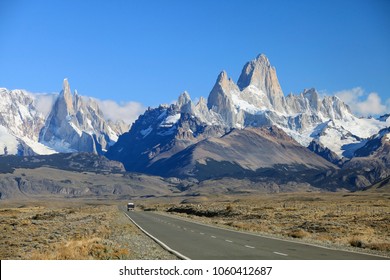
x=66, y=94
x=76, y=124
x=262, y=75
x=220, y=98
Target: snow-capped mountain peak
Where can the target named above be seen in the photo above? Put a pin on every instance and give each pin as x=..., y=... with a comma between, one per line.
x=257, y=100
x=72, y=123
x=75, y=123
x=260, y=74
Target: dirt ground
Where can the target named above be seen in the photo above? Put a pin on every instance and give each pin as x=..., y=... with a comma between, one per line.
x=71, y=230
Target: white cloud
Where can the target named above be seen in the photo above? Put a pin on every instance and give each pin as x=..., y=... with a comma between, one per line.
x=125, y=111
x=362, y=103
x=388, y=105
x=350, y=96
x=372, y=105
x=44, y=102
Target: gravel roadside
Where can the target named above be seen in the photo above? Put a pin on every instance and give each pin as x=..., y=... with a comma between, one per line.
x=143, y=247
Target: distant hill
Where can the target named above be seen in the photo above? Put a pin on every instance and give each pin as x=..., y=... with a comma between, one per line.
x=242, y=153
x=381, y=186
x=80, y=162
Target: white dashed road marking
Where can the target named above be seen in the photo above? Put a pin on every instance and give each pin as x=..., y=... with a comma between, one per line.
x=282, y=254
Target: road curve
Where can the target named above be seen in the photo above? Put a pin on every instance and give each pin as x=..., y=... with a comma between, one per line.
x=203, y=242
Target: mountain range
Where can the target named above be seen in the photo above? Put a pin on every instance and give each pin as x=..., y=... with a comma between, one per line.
x=246, y=129
x=72, y=123
x=251, y=127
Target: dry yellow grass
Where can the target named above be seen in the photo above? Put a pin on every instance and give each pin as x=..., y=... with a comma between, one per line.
x=72, y=230
x=59, y=231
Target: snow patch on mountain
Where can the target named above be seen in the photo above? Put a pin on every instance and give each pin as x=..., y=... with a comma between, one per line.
x=146, y=132
x=241, y=104
x=9, y=143
x=39, y=148
x=78, y=131
x=170, y=120
x=345, y=137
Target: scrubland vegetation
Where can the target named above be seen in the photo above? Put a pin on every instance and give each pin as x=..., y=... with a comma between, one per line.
x=72, y=231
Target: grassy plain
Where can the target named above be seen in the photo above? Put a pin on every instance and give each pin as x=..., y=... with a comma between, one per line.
x=82, y=229
x=71, y=230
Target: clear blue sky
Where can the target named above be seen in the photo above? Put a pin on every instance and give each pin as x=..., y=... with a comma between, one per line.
x=151, y=51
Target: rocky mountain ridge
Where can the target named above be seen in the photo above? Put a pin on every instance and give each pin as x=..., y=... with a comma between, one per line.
x=258, y=100
x=73, y=124
x=172, y=139
x=240, y=153
x=199, y=139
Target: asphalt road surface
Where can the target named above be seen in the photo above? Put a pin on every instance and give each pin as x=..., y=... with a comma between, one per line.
x=203, y=242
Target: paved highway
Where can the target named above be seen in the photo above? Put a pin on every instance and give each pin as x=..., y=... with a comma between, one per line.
x=203, y=242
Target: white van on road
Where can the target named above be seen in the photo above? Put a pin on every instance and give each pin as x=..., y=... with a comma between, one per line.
x=130, y=206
